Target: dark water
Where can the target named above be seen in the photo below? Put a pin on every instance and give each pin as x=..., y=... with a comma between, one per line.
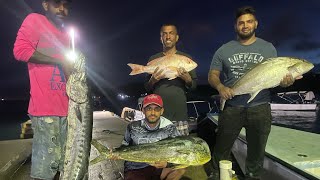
x=301, y=120
x=13, y=113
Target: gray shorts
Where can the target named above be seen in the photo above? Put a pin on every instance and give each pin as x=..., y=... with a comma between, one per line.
x=48, y=148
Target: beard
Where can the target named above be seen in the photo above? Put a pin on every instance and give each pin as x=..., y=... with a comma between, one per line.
x=153, y=121
x=245, y=36
x=59, y=22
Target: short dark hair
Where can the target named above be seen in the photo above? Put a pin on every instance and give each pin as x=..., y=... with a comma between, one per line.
x=169, y=24
x=57, y=1
x=245, y=10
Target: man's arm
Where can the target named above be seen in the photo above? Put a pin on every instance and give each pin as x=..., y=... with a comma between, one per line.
x=155, y=77
x=40, y=58
x=214, y=81
x=25, y=46
x=194, y=79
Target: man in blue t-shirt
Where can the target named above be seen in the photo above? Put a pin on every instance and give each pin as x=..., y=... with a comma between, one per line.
x=149, y=130
x=234, y=59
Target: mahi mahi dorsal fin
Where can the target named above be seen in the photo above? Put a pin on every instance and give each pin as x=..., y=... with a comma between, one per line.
x=158, y=60
x=253, y=95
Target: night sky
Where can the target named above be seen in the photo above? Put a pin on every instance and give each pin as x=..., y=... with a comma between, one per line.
x=113, y=33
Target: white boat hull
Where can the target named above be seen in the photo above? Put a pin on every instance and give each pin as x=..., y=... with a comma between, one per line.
x=293, y=107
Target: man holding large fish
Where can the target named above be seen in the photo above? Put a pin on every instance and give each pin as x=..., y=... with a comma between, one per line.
x=172, y=74
x=41, y=42
x=150, y=130
x=236, y=60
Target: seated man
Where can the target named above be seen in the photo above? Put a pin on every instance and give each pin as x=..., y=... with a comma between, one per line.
x=151, y=129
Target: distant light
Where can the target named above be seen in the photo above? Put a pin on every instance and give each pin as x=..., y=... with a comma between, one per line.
x=123, y=96
x=2, y=99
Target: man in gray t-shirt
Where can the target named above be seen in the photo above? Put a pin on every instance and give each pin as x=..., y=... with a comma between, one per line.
x=233, y=60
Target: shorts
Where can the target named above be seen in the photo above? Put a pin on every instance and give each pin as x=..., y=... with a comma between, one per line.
x=48, y=146
x=147, y=173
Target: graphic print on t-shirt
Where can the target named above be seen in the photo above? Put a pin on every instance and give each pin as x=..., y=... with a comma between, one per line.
x=58, y=81
x=148, y=140
x=241, y=62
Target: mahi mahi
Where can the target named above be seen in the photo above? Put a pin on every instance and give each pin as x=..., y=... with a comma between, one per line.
x=169, y=64
x=269, y=74
x=182, y=151
x=80, y=118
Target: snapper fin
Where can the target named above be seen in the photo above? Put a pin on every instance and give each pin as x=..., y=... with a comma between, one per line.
x=155, y=61
x=253, y=95
x=171, y=72
x=136, y=69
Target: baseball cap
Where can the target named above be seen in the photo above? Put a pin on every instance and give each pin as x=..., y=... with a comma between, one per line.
x=152, y=99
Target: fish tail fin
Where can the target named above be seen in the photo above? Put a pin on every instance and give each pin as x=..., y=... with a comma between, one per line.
x=136, y=69
x=253, y=95
x=97, y=160
x=104, y=152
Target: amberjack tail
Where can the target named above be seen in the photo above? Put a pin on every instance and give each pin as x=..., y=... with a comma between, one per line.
x=136, y=69
x=104, y=152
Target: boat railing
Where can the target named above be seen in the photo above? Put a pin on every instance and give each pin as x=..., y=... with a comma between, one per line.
x=198, y=109
x=297, y=97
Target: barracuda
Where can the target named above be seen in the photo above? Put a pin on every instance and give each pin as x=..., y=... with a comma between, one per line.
x=181, y=151
x=269, y=74
x=80, y=118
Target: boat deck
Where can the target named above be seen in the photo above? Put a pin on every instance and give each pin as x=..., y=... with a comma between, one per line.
x=107, y=128
x=297, y=150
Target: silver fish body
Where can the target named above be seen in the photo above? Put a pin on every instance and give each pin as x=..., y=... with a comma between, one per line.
x=80, y=119
x=269, y=74
x=182, y=151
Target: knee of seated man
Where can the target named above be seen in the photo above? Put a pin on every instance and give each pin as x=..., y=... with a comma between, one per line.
x=169, y=173
x=181, y=171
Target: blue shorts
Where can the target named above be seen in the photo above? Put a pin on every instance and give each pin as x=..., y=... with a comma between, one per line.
x=48, y=146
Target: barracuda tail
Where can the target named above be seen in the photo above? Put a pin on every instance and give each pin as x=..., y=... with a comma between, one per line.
x=104, y=152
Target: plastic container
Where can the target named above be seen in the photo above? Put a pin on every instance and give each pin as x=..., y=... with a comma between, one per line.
x=226, y=171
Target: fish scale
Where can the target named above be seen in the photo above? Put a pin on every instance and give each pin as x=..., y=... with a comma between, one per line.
x=184, y=150
x=169, y=64
x=80, y=119
x=269, y=74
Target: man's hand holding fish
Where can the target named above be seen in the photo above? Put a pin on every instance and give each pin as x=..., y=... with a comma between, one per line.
x=159, y=164
x=184, y=75
x=225, y=92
